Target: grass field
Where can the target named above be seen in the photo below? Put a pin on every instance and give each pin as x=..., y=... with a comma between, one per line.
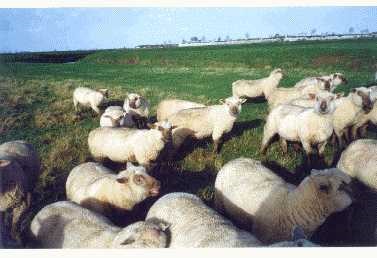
x=36, y=103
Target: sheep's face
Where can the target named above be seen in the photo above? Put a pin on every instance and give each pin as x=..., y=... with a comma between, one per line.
x=143, y=234
x=165, y=128
x=104, y=92
x=361, y=97
x=325, y=84
x=331, y=186
x=142, y=184
x=277, y=73
x=324, y=102
x=233, y=105
x=134, y=100
x=337, y=79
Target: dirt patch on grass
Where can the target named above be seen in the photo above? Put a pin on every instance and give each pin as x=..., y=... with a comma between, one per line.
x=328, y=60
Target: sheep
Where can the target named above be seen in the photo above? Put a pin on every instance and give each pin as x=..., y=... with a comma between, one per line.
x=215, y=121
x=168, y=107
x=310, y=100
x=27, y=157
x=128, y=144
x=193, y=224
x=67, y=225
x=348, y=111
x=89, y=98
x=264, y=203
x=114, y=116
x=363, y=120
x=329, y=82
x=257, y=88
x=97, y=188
x=310, y=126
x=14, y=201
x=138, y=108
x=359, y=161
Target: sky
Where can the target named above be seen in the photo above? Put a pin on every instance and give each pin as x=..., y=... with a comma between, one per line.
x=48, y=29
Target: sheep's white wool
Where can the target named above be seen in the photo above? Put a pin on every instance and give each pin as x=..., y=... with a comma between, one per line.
x=89, y=98
x=168, y=107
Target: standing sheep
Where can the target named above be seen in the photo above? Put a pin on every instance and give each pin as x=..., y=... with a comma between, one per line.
x=207, y=121
x=97, y=188
x=67, y=225
x=310, y=126
x=255, y=197
x=138, y=108
x=168, y=107
x=193, y=224
x=89, y=98
x=114, y=116
x=329, y=82
x=359, y=161
x=257, y=88
x=127, y=144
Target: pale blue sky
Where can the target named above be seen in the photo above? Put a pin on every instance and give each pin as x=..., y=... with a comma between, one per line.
x=96, y=28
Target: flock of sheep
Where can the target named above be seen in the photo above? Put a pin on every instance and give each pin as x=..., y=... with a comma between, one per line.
x=248, y=195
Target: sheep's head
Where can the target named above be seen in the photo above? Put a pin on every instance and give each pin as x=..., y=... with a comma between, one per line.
x=337, y=79
x=142, y=234
x=134, y=100
x=165, y=128
x=277, y=73
x=324, y=102
x=361, y=97
x=137, y=178
x=325, y=84
x=104, y=92
x=233, y=104
x=331, y=188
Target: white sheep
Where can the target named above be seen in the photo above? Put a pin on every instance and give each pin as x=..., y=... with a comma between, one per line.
x=138, y=107
x=168, y=107
x=193, y=224
x=257, y=88
x=89, y=98
x=97, y=188
x=128, y=144
x=261, y=201
x=67, y=225
x=215, y=121
x=114, y=116
x=310, y=126
x=328, y=82
x=359, y=161
x=348, y=111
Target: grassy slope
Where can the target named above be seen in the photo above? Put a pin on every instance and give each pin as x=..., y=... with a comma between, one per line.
x=35, y=101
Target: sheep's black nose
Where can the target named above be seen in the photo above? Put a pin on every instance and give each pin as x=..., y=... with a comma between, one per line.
x=323, y=106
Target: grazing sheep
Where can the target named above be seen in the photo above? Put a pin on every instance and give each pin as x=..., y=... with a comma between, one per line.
x=359, y=160
x=138, y=107
x=127, y=144
x=67, y=225
x=14, y=201
x=97, y=188
x=207, y=121
x=26, y=156
x=114, y=116
x=257, y=88
x=168, y=107
x=89, y=98
x=348, y=111
x=255, y=197
x=329, y=82
x=193, y=224
x=310, y=126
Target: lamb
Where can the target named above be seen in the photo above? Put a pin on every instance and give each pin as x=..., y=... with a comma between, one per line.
x=310, y=126
x=89, y=98
x=257, y=88
x=67, y=225
x=193, y=224
x=348, y=111
x=138, y=108
x=329, y=82
x=128, y=144
x=268, y=206
x=207, y=121
x=168, y=107
x=359, y=161
x=114, y=116
x=97, y=188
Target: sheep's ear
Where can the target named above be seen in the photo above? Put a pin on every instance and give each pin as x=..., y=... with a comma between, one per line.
x=298, y=233
x=221, y=101
x=130, y=165
x=339, y=95
x=163, y=225
x=242, y=100
x=311, y=96
x=122, y=180
x=128, y=241
x=353, y=90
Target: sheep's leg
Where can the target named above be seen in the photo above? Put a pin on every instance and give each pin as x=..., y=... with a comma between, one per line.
x=321, y=149
x=339, y=136
x=216, y=137
x=308, y=152
x=267, y=137
x=363, y=130
x=354, y=131
x=283, y=145
x=75, y=104
x=347, y=135
x=95, y=108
